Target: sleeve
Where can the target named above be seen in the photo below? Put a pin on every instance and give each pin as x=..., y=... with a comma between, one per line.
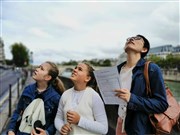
x=100, y=124
x=59, y=119
x=158, y=102
x=17, y=114
x=51, y=128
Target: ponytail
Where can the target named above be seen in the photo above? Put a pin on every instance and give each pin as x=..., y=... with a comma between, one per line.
x=58, y=85
x=55, y=81
x=92, y=82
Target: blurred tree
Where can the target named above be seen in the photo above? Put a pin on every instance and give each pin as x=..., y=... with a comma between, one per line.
x=158, y=60
x=9, y=62
x=71, y=62
x=20, y=54
x=171, y=61
x=106, y=62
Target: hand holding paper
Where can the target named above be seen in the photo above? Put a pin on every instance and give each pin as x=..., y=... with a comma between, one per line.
x=123, y=94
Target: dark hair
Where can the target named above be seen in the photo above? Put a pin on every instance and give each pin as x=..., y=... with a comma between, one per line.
x=55, y=81
x=92, y=82
x=146, y=45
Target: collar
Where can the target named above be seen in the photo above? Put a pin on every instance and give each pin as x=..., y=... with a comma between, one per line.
x=140, y=63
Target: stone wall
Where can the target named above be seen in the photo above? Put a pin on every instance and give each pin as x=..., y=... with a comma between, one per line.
x=171, y=75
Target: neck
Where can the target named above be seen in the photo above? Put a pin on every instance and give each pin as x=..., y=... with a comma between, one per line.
x=79, y=87
x=42, y=86
x=132, y=59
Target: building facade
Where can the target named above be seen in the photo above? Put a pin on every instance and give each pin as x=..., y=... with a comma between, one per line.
x=164, y=50
x=161, y=51
x=2, y=55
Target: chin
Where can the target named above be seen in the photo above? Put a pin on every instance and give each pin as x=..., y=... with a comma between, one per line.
x=34, y=76
x=71, y=77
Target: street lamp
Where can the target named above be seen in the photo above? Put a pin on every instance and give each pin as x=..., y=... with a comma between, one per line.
x=31, y=61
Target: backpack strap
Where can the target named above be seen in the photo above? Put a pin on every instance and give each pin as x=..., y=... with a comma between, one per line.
x=146, y=76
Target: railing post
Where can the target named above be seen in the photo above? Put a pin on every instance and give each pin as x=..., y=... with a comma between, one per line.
x=17, y=87
x=10, y=97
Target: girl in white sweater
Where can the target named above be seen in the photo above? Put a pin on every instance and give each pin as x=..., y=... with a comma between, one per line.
x=81, y=110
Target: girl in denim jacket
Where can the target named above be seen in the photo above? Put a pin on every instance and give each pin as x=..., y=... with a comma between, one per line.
x=47, y=87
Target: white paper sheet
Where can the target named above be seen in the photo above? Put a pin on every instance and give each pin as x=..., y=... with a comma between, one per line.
x=108, y=80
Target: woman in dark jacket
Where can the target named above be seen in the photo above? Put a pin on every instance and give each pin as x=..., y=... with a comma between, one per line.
x=47, y=87
x=133, y=90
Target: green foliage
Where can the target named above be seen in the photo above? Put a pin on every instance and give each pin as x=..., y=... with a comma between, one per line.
x=9, y=62
x=20, y=55
x=155, y=59
x=106, y=62
x=71, y=62
x=100, y=62
x=171, y=61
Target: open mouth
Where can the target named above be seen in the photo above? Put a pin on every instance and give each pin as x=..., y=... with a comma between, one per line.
x=73, y=74
x=129, y=42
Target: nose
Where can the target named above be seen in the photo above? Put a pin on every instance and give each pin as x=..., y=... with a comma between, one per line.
x=131, y=39
x=75, y=70
x=37, y=68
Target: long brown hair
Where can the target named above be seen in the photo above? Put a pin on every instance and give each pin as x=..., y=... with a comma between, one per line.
x=92, y=82
x=55, y=81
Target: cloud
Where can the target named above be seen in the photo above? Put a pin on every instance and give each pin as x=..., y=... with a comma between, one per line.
x=63, y=31
x=38, y=32
x=165, y=24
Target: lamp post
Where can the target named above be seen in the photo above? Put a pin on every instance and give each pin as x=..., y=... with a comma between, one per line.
x=31, y=61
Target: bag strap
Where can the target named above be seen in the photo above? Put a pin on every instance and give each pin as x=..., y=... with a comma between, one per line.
x=146, y=75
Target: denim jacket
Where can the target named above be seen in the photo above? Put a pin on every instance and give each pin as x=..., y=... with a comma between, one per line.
x=140, y=105
x=51, y=101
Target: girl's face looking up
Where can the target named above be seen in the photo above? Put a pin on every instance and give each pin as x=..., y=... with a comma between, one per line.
x=41, y=72
x=80, y=73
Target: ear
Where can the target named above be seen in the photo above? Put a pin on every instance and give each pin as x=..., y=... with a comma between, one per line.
x=47, y=77
x=144, y=50
x=88, y=78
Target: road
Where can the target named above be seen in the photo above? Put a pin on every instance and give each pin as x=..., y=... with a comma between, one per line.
x=8, y=77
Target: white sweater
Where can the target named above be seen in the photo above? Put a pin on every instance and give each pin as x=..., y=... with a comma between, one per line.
x=88, y=104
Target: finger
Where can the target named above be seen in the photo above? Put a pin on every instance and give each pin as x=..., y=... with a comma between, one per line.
x=63, y=131
x=117, y=90
x=40, y=129
x=70, y=112
x=69, y=118
x=33, y=132
x=117, y=94
x=69, y=128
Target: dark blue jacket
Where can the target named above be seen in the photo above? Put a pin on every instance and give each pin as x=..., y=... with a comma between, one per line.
x=140, y=105
x=51, y=101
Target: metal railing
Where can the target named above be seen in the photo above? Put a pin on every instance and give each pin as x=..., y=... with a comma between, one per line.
x=8, y=102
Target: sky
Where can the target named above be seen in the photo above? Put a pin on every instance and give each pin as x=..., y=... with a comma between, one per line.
x=61, y=31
